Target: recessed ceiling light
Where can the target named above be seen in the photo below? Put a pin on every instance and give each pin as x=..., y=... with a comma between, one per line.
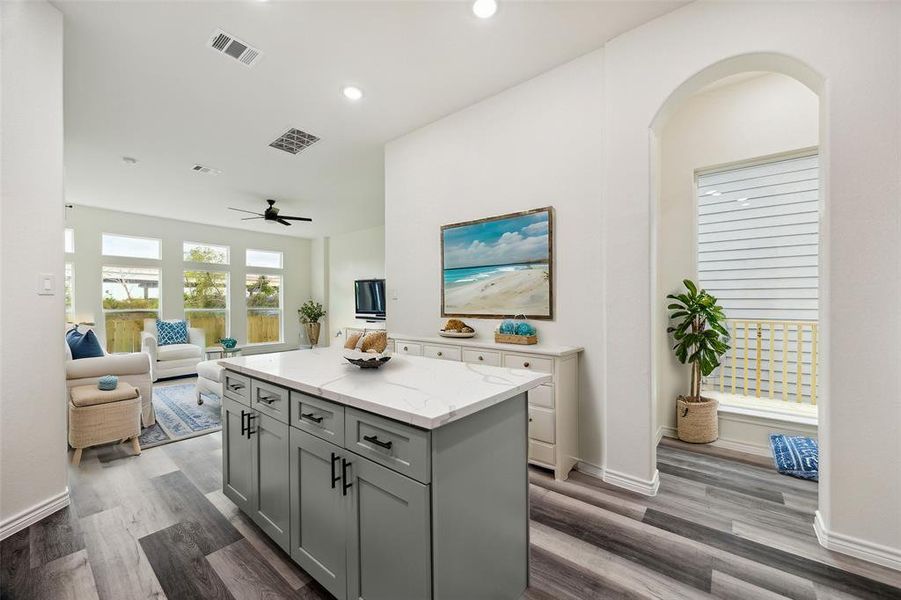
x=352, y=92
x=484, y=9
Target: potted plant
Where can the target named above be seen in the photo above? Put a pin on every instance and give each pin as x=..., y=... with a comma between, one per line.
x=696, y=322
x=309, y=314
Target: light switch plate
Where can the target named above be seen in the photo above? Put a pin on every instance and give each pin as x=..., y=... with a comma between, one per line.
x=46, y=284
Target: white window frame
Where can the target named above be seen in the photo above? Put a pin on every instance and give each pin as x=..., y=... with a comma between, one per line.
x=281, y=306
x=207, y=245
x=104, y=311
x=159, y=246
x=65, y=240
x=281, y=259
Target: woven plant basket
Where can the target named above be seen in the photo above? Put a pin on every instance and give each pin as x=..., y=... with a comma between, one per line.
x=697, y=421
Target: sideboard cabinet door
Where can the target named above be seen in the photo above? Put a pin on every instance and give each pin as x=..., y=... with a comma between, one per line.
x=237, y=455
x=389, y=534
x=271, y=497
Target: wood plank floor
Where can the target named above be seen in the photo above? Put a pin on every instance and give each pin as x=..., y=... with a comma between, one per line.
x=157, y=526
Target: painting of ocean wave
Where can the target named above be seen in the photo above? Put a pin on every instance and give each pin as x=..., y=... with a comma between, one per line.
x=499, y=267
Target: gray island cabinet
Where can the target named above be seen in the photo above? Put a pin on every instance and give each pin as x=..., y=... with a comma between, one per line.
x=405, y=483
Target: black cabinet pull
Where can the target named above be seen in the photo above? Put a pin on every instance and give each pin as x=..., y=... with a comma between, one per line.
x=312, y=416
x=236, y=386
x=268, y=399
x=345, y=486
x=334, y=462
x=375, y=440
x=243, y=426
x=250, y=432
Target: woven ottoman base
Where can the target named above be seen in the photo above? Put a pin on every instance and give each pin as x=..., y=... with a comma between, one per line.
x=104, y=422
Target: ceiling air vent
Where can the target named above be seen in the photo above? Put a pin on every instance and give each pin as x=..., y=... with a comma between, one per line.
x=203, y=169
x=228, y=44
x=294, y=141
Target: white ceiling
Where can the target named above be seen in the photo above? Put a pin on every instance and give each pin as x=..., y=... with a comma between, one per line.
x=140, y=82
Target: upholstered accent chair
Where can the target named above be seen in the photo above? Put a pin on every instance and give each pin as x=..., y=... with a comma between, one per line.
x=172, y=360
x=131, y=368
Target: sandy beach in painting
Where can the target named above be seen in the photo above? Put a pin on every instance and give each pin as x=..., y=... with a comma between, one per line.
x=501, y=292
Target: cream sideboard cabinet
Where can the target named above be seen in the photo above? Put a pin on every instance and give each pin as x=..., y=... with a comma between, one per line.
x=553, y=407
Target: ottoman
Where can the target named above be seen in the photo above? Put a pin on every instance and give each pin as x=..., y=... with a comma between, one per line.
x=209, y=379
x=98, y=417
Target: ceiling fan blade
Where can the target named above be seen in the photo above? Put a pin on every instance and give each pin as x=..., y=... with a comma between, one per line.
x=250, y=212
x=297, y=218
x=251, y=218
x=283, y=222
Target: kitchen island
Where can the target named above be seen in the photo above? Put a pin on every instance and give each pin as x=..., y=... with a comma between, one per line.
x=406, y=482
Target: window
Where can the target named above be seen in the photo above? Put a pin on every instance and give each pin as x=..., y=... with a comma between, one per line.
x=758, y=247
x=69, y=240
x=131, y=247
x=130, y=295
x=70, y=292
x=206, y=303
x=205, y=253
x=264, y=308
x=264, y=258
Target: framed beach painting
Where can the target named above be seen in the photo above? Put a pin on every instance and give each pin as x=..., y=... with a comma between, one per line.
x=499, y=267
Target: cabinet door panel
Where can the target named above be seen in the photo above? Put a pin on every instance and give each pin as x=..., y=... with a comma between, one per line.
x=389, y=536
x=237, y=456
x=271, y=499
x=318, y=512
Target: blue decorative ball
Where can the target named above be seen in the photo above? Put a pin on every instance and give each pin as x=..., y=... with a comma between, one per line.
x=107, y=383
x=508, y=327
x=523, y=328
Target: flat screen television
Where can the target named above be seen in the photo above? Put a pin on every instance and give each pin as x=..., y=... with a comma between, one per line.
x=369, y=295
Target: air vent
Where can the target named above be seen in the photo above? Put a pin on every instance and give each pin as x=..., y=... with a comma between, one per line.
x=294, y=141
x=229, y=45
x=206, y=170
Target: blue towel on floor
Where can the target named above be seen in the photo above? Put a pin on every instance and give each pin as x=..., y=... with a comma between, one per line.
x=796, y=455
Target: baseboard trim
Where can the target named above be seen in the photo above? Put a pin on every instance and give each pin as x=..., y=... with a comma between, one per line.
x=846, y=544
x=590, y=469
x=633, y=484
x=34, y=514
x=724, y=443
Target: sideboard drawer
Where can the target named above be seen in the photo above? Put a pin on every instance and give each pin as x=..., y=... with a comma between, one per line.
x=482, y=357
x=543, y=395
x=541, y=424
x=270, y=400
x=530, y=362
x=320, y=417
x=400, y=447
x=542, y=453
x=237, y=386
x=442, y=352
x=402, y=347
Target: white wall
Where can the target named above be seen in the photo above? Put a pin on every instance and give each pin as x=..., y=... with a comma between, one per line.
x=32, y=391
x=537, y=144
x=767, y=114
x=855, y=50
x=90, y=223
x=352, y=256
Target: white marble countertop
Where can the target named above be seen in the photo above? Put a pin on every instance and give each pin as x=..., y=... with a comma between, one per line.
x=424, y=392
x=490, y=344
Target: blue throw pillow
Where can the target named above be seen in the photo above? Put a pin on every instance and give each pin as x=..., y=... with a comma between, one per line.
x=83, y=345
x=171, y=332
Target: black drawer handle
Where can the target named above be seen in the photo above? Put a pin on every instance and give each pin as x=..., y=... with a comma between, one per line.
x=375, y=440
x=268, y=399
x=236, y=386
x=334, y=462
x=345, y=486
x=481, y=357
x=250, y=432
x=440, y=353
x=243, y=426
x=525, y=364
x=312, y=417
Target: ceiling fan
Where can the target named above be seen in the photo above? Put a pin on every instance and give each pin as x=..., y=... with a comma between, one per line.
x=271, y=214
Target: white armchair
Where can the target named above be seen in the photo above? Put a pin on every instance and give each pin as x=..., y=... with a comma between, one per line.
x=130, y=368
x=172, y=360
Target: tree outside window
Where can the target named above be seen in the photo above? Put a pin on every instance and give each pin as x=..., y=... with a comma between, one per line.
x=263, y=295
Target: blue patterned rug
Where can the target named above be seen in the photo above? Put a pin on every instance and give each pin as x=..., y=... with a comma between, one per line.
x=796, y=455
x=178, y=416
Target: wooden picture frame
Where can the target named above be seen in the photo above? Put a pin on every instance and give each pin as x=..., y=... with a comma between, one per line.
x=532, y=261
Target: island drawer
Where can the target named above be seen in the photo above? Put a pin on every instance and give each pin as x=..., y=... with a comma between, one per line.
x=237, y=387
x=319, y=417
x=541, y=424
x=528, y=361
x=543, y=395
x=543, y=453
x=442, y=352
x=270, y=400
x=400, y=447
x=402, y=347
x=482, y=357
